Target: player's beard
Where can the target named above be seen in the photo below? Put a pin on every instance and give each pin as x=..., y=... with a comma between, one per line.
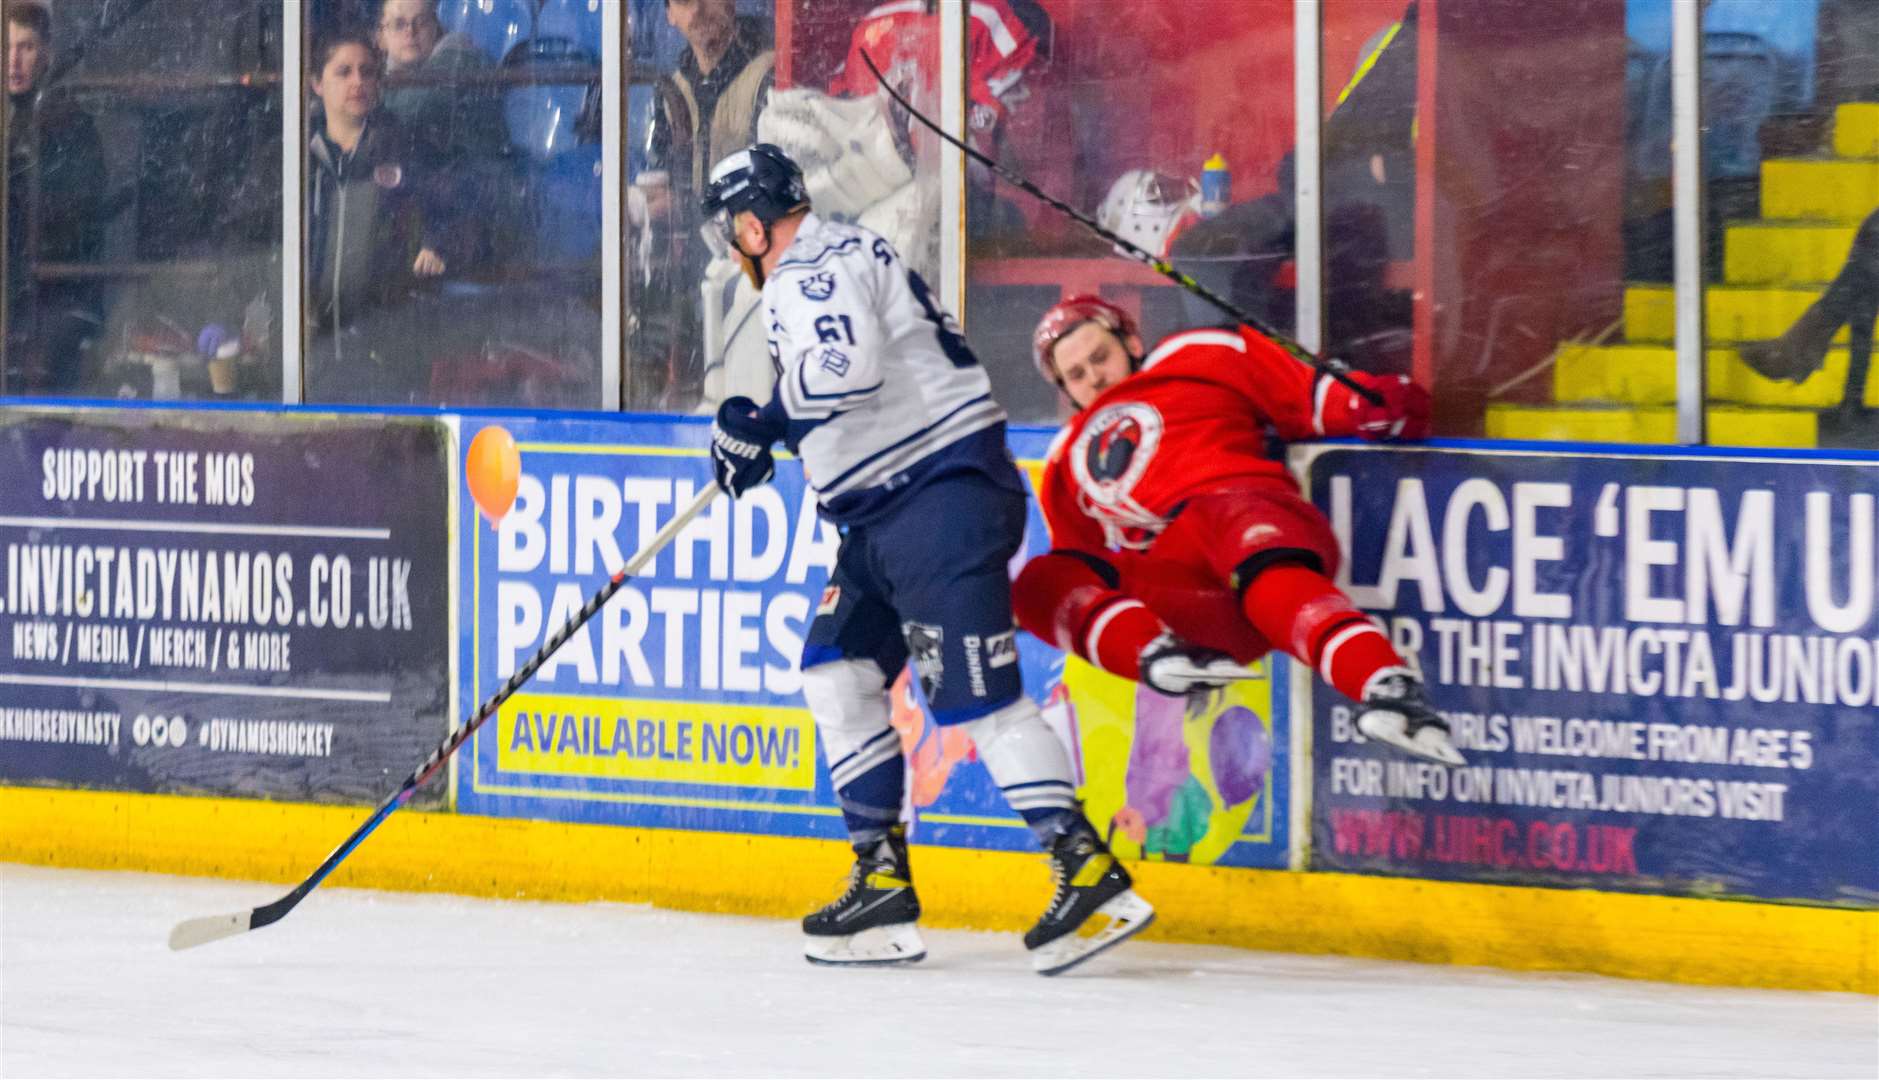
x=752, y=268
x=752, y=265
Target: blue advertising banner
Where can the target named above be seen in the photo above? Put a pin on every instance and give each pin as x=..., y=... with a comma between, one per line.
x=223, y=603
x=679, y=705
x=1660, y=666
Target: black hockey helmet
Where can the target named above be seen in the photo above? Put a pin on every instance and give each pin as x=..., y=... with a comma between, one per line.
x=759, y=178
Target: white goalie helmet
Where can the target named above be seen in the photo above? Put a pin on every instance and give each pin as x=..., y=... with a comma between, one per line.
x=1145, y=207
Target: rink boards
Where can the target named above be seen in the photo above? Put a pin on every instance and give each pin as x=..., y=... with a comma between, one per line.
x=680, y=707
x=1659, y=664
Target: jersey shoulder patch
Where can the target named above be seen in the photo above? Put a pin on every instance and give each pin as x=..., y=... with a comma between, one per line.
x=817, y=285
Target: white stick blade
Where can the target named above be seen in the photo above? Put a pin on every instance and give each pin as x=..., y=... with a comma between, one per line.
x=193, y=932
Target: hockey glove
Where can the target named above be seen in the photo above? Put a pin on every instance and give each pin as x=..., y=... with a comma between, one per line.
x=1404, y=413
x=740, y=447
x=1175, y=667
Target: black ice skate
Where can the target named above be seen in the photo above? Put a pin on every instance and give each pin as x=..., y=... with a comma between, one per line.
x=1395, y=712
x=1175, y=667
x=1094, y=909
x=872, y=923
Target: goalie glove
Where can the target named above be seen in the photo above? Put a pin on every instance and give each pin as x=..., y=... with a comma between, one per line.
x=740, y=447
x=1177, y=668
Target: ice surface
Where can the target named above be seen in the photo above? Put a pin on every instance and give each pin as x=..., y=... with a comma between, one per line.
x=358, y=983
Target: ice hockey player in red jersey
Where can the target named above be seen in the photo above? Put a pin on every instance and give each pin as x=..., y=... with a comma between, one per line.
x=902, y=38
x=1181, y=550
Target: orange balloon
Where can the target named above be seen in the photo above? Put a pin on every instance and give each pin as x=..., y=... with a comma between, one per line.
x=494, y=468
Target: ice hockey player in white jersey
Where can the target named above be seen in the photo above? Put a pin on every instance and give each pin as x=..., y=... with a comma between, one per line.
x=894, y=422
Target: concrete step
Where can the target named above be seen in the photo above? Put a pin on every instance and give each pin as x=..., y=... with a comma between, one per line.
x=1830, y=189
x=1729, y=425
x=1785, y=252
x=1734, y=312
x=1647, y=375
x=1856, y=129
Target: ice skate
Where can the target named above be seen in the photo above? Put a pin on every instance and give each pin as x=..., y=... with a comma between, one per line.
x=1395, y=712
x=1175, y=667
x=1094, y=908
x=872, y=923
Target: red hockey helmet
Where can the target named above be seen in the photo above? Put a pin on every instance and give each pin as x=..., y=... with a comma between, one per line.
x=1067, y=316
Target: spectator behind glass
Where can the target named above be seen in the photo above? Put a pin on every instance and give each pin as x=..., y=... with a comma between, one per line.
x=47, y=324
x=706, y=109
x=872, y=165
x=1003, y=38
x=1851, y=301
x=1369, y=186
x=708, y=106
x=375, y=228
x=458, y=120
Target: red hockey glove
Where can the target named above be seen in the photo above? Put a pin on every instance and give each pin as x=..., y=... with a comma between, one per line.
x=1404, y=413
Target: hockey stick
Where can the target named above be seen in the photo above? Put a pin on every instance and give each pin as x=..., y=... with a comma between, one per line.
x=192, y=932
x=1325, y=365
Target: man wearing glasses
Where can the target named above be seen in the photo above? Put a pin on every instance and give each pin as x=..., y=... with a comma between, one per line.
x=457, y=120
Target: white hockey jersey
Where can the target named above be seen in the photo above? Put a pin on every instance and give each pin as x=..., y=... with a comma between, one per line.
x=877, y=388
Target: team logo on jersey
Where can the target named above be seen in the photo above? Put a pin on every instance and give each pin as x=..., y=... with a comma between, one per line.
x=1001, y=650
x=831, y=599
x=1108, y=458
x=818, y=286
x=833, y=360
x=1109, y=455
x=986, y=652
x=924, y=647
x=1114, y=449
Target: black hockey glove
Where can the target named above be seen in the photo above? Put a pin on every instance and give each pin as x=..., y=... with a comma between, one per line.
x=740, y=447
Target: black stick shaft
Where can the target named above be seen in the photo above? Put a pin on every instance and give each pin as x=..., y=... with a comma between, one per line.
x=274, y=912
x=1324, y=365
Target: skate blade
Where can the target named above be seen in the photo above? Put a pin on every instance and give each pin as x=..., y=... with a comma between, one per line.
x=1430, y=744
x=1123, y=917
x=879, y=946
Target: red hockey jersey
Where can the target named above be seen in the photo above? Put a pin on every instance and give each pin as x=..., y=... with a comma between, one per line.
x=1195, y=415
x=902, y=37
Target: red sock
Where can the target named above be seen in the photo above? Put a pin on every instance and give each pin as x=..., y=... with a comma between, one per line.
x=1117, y=635
x=1302, y=612
x=1066, y=602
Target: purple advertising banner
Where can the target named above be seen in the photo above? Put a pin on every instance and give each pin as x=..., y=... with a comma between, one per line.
x=223, y=603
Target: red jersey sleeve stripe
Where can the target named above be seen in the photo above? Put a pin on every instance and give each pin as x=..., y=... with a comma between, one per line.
x=1193, y=337
x=994, y=22
x=1094, y=637
x=1318, y=396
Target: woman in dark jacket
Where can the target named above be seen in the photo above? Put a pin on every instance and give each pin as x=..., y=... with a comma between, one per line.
x=376, y=228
